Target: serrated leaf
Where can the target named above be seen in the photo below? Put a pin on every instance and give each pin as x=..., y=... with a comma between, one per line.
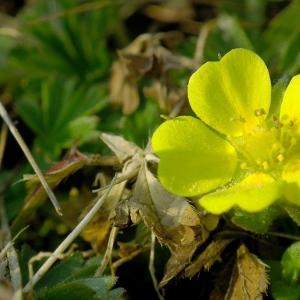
x=64, y=116
x=210, y=255
x=249, y=280
x=88, y=288
x=72, y=279
x=60, y=272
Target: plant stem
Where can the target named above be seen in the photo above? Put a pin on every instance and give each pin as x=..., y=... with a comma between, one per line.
x=14, y=131
x=68, y=240
x=13, y=262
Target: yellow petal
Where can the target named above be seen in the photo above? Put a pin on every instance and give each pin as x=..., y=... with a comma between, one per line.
x=227, y=95
x=193, y=158
x=291, y=175
x=253, y=194
x=290, y=106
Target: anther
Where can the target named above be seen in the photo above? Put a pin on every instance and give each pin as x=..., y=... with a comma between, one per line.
x=280, y=157
x=265, y=165
x=276, y=122
x=259, y=112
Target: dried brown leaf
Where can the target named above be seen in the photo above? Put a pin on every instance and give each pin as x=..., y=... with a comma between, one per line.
x=160, y=209
x=71, y=163
x=207, y=258
x=171, y=218
x=122, y=148
x=170, y=12
x=97, y=231
x=167, y=96
x=144, y=57
x=249, y=280
x=123, y=89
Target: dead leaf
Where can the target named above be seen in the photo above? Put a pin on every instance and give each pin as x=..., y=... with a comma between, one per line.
x=6, y=290
x=207, y=258
x=144, y=57
x=167, y=96
x=123, y=90
x=170, y=12
x=97, y=231
x=71, y=163
x=249, y=280
x=171, y=218
x=122, y=148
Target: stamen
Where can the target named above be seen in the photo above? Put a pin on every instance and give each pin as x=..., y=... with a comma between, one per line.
x=280, y=157
x=265, y=165
x=277, y=123
x=259, y=112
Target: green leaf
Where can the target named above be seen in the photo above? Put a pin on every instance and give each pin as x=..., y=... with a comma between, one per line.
x=293, y=212
x=65, y=115
x=89, y=288
x=234, y=31
x=259, y=222
x=66, y=45
x=283, y=30
x=61, y=271
x=290, y=263
x=280, y=289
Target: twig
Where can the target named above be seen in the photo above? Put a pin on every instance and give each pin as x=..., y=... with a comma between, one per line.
x=13, y=262
x=99, y=160
x=177, y=108
x=14, y=131
x=107, y=256
x=125, y=259
x=202, y=37
x=41, y=255
x=3, y=139
x=284, y=235
x=11, y=243
x=152, y=268
x=68, y=240
x=120, y=179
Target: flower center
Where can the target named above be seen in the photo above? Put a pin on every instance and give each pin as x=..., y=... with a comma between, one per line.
x=266, y=147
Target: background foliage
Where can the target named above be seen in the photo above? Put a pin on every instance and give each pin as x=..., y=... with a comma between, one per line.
x=71, y=69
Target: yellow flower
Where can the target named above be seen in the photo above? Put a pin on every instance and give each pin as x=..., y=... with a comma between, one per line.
x=236, y=154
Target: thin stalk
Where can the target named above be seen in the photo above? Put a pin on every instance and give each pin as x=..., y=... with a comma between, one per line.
x=107, y=256
x=12, y=257
x=151, y=267
x=3, y=140
x=68, y=240
x=14, y=131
